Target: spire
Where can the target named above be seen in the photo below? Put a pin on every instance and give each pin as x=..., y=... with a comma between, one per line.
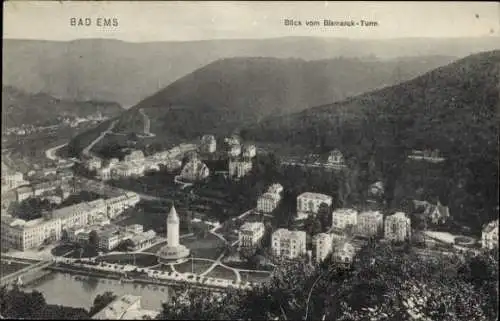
x=172, y=216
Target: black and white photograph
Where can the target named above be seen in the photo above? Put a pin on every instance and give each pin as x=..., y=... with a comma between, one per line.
x=250, y=160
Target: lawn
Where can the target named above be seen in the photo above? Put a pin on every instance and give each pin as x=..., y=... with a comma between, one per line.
x=6, y=268
x=255, y=276
x=73, y=251
x=209, y=247
x=222, y=273
x=197, y=266
x=140, y=259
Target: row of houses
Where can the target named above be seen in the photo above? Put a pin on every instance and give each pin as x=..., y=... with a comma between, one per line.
x=270, y=200
x=22, y=235
x=110, y=236
x=135, y=164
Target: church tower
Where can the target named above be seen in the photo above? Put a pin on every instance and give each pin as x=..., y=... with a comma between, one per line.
x=173, y=228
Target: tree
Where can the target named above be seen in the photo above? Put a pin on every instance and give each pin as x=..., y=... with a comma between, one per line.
x=94, y=239
x=101, y=301
x=324, y=216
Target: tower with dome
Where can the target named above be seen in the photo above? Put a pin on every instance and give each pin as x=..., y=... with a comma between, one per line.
x=174, y=250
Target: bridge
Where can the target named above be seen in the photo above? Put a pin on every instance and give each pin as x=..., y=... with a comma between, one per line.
x=7, y=279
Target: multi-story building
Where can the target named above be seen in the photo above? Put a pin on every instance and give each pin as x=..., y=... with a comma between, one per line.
x=268, y=202
x=249, y=151
x=208, y=144
x=370, y=224
x=343, y=218
x=309, y=203
x=238, y=169
x=288, y=244
x=232, y=140
x=397, y=227
x=22, y=235
x=195, y=170
x=71, y=216
x=108, y=240
x=250, y=234
x=489, y=237
x=11, y=179
x=117, y=205
x=344, y=253
x=322, y=244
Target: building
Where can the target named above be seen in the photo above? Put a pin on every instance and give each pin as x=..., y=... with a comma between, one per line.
x=135, y=228
x=22, y=235
x=93, y=163
x=309, y=203
x=11, y=179
x=268, y=202
x=376, y=189
x=344, y=253
x=429, y=155
x=116, y=205
x=24, y=192
x=288, y=244
x=208, y=144
x=370, y=224
x=249, y=151
x=436, y=214
x=343, y=218
x=142, y=240
x=234, y=150
x=194, y=170
x=250, y=234
x=109, y=239
x=276, y=189
x=127, y=307
x=134, y=156
x=322, y=245
x=336, y=160
x=489, y=237
x=232, y=140
x=397, y=227
x=173, y=250
x=238, y=169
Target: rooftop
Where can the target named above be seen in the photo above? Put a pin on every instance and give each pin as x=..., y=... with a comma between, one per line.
x=317, y=196
x=117, y=309
x=252, y=226
x=289, y=234
x=345, y=211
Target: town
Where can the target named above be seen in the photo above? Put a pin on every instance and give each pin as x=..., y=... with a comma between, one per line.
x=94, y=236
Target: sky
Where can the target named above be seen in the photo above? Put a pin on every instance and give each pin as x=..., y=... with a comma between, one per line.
x=146, y=21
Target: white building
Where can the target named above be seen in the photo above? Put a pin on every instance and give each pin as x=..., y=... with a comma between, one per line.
x=489, y=237
x=344, y=217
x=195, y=170
x=276, y=188
x=127, y=307
x=134, y=156
x=142, y=240
x=135, y=228
x=93, y=163
x=309, y=203
x=249, y=151
x=110, y=239
x=250, y=234
x=208, y=144
x=22, y=235
x=232, y=140
x=116, y=205
x=344, y=253
x=322, y=245
x=288, y=244
x=268, y=202
x=370, y=224
x=336, y=159
x=238, y=169
x=11, y=179
x=397, y=227
x=234, y=150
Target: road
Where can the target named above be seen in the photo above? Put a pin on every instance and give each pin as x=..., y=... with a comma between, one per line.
x=86, y=150
x=51, y=152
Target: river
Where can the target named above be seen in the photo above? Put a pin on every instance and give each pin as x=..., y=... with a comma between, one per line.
x=79, y=291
